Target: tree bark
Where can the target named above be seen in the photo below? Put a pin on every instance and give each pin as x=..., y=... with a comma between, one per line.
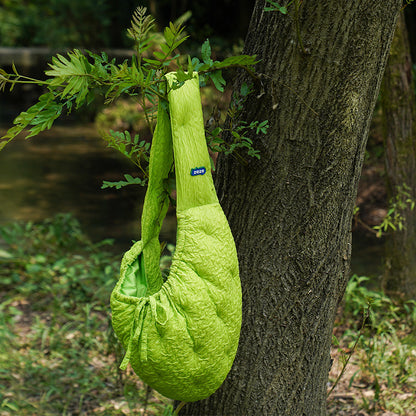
x=291, y=211
x=399, y=109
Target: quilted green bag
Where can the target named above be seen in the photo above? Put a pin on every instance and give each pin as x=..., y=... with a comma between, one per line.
x=180, y=335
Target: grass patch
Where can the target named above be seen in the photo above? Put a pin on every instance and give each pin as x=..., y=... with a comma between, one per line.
x=58, y=354
x=380, y=333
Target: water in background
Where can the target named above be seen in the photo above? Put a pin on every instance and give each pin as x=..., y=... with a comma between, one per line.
x=62, y=171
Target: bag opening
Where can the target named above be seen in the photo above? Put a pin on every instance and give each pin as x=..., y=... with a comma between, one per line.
x=135, y=281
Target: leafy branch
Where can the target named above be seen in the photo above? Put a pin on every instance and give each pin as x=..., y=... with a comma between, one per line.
x=394, y=220
x=406, y=3
x=16, y=78
x=346, y=357
x=74, y=80
x=141, y=27
x=135, y=150
x=173, y=39
x=40, y=117
x=238, y=130
x=276, y=7
x=120, y=184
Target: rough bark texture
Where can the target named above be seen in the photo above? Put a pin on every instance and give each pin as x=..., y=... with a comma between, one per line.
x=291, y=211
x=399, y=108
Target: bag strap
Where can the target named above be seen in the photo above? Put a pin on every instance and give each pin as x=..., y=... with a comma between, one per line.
x=183, y=132
x=156, y=202
x=194, y=184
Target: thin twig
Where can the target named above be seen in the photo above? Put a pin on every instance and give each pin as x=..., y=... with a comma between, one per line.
x=351, y=352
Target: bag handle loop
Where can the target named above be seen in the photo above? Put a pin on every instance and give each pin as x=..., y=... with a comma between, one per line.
x=179, y=136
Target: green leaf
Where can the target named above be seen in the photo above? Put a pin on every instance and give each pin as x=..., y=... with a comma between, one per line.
x=217, y=131
x=236, y=135
x=4, y=79
x=183, y=76
x=40, y=116
x=120, y=184
x=196, y=64
x=244, y=90
x=141, y=25
x=165, y=48
x=152, y=61
x=206, y=53
x=77, y=64
x=190, y=65
x=168, y=35
x=74, y=74
x=4, y=142
x=247, y=140
x=218, y=80
x=211, y=161
x=179, y=42
x=168, y=410
x=159, y=55
x=276, y=7
x=240, y=60
x=262, y=127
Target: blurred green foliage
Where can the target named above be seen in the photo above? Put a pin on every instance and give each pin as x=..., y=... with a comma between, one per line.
x=58, y=353
x=55, y=23
x=379, y=333
x=101, y=23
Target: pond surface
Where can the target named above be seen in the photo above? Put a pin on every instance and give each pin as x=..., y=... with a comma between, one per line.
x=62, y=171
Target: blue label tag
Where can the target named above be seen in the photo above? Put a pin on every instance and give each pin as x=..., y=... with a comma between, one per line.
x=198, y=171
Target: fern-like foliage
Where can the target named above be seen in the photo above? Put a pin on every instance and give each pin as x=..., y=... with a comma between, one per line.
x=239, y=131
x=129, y=180
x=4, y=79
x=74, y=74
x=37, y=118
x=76, y=78
x=141, y=27
x=132, y=147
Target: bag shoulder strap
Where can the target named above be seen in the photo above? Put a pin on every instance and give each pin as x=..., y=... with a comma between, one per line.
x=179, y=135
x=156, y=202
x=194, y=184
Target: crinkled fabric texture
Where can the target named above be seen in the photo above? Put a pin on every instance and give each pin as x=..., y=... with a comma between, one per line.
x=189, y=330
x=181, y=338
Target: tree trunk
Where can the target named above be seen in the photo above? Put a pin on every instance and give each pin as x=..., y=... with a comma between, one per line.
x=410, y=14
x=291, y=211
x=399, y=108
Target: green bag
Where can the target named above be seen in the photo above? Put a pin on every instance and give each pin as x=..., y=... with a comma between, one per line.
x=180, y=336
